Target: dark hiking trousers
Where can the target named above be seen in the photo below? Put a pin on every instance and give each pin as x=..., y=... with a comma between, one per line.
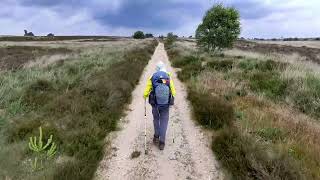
x=160, y=121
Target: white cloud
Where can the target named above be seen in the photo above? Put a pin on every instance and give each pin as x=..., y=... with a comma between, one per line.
x=260, y=18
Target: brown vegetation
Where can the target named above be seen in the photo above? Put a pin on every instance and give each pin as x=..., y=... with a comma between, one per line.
x=269, y=136
x=54, y=38
x=14, y=57
x=312, y=54
x=78, y=101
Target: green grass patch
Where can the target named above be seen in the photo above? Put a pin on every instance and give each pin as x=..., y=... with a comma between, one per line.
x=209, y=111
x=258, y=155
x=78, y=102
x=190, y=66
x=268, y=83
x=189, y=71
x=187, y=60
x=271, y=134
x=307, y=99
x=221, y=65
x=264, y=66
x=247, y=159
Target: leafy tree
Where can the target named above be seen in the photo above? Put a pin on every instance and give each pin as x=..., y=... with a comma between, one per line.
x=219, y=29
x=138, y=35
x=171, y=38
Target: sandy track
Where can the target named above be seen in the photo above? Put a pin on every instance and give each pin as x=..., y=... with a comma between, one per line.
x=189, y=157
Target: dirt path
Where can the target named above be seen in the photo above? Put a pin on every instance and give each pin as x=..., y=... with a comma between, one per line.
x=189, y=157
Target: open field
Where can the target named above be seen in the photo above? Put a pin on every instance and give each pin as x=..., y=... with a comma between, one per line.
x=261, y=104
x=14, y=57
x=279, y=48
x=78, y=100
x=78, y=43
x=58, y=38
x=257, y=103
x=311, y=44
x=311, y=54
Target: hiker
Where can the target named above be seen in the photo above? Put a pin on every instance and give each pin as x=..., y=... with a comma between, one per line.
x=160, y=91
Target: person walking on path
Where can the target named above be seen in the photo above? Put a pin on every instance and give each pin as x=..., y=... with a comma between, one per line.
x=161, y=91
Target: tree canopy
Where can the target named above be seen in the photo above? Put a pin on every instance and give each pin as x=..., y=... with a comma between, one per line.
x=138, y=35
x=219, y=29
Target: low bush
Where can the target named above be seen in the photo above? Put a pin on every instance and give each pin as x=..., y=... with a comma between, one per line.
x=247, y=65
x=268, y=83
x=187, y=60
x=209, y=111
x=263, y=66
x=247, y=159
x=221, y=65
x=243, y=155
x=172, y=53
x=189, y=71
x=38, y=93
x=307, y=98
x=81, y=115
x=170, y=39
x=271, y=134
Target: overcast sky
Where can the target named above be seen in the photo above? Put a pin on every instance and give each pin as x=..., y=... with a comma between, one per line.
x=259, y=18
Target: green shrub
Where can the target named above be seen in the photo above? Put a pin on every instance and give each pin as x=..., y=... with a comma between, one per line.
x=244, y=158
x=38, y=93
x=20, y=129
x=138, y=35
x=189, y=71
x=2, y=121
x=209, y=111
x=272, y=134
x=81, y=115
x=268, y=65
x=171, y=38
x=43, y=150
x=248, y=65
x=307, y=99
x=268, y=83
x=221, y=65
x=172, y=53
x=186, y=60
x=264, y=66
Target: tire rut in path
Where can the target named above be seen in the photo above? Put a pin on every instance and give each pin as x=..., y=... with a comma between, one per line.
x=189, y=157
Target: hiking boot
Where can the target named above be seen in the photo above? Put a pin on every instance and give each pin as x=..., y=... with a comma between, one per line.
x=155, y=140
x=161, y=145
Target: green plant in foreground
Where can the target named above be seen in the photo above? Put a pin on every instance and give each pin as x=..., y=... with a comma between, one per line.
x=43, y=151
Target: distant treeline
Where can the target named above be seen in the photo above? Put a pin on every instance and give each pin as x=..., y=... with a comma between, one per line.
x=55, y=38
x=284, y=39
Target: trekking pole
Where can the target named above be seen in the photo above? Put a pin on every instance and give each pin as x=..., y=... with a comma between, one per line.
x=173, y=131
x=145, y=127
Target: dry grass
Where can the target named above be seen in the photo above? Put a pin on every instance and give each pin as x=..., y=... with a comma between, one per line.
x=296, y=61
x=296, y=130
x=76, y=44
x=76, y=100
x=272, y=140
x=14, y=57
x=312, y=44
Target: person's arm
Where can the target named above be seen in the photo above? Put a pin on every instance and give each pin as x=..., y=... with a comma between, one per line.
x=173, y=90
x=148, y=88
